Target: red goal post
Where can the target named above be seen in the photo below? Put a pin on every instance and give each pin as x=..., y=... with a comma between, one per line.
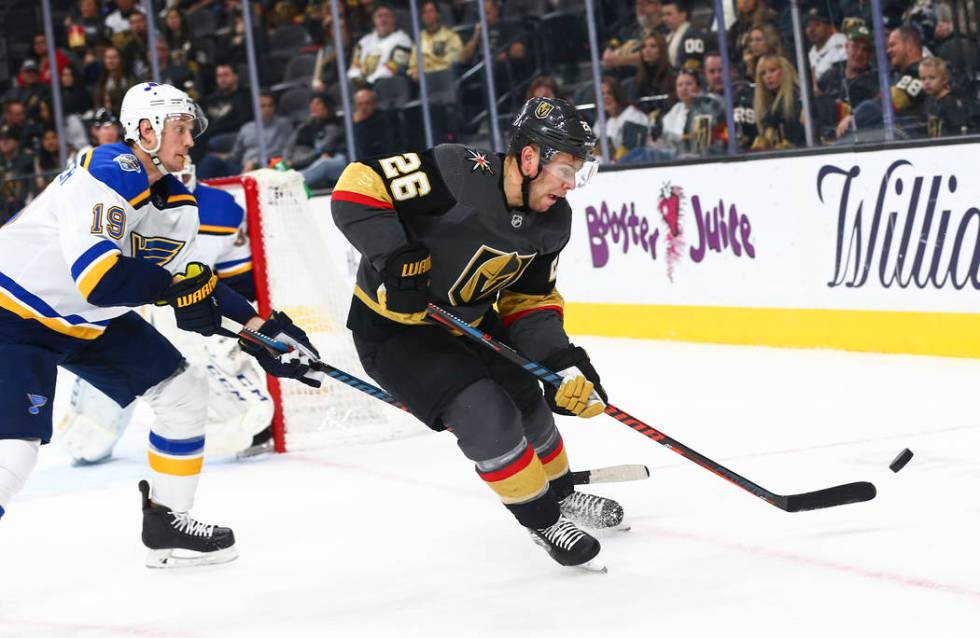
x=297, y=271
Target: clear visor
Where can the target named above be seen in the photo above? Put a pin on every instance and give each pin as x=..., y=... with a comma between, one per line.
x=180, y=122
x=569, y=174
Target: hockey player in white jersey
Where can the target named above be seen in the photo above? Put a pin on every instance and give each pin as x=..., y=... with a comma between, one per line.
x=239, y=406
x=113, y=232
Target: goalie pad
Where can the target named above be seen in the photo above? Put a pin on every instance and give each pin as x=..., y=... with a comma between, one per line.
x=239, y=406
x=92, y=425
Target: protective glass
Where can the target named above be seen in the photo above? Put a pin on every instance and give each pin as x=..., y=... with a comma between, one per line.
x=568, y=174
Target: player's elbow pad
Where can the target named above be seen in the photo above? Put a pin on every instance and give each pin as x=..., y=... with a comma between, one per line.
x=130, y=282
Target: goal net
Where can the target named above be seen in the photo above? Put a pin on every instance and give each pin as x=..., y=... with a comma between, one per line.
x=302, y=269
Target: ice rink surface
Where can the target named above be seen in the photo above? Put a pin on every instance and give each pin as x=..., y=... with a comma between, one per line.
x=400, y=538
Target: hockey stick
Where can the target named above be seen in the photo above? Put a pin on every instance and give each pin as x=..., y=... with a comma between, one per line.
x=229, y=328
x=820, y=499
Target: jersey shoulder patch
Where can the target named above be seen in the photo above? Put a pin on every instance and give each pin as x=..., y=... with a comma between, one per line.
x=115, y=166
x=218, y=211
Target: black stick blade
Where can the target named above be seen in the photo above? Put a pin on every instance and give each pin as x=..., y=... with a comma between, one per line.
x=830, y=497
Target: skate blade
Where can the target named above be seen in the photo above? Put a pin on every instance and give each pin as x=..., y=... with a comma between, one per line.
x=606, y=532
x=266, y=447
x=594, y=566
x=168, y=559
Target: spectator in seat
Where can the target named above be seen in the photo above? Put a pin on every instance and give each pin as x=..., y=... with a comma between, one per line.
x=619, y=111
x=244, y=155
x=851, y=83
x=654, y=75
x=28, y=89
x=748, y=14
x=777, y=105
x=675, y=126
x=179, y=39
x=317, y=148
x=179, y=75
x=946, y=113
x=372, y=129
x=383, y=53
x=498, y=34
x=134, y=44
x=742, y=95
x=114, y=82
x=542, y=86
x=325, y=66
x=15, y=119
x=228, y=108
x=904, y=54
x=762, y=40
x=87, y=16
x=47, y=161
x=623, y=51
x=75, y=98
x=440, y=46
x=118, y=20
x=40, y=45
x=828, y=47
x=685, y=46
x=14, y=164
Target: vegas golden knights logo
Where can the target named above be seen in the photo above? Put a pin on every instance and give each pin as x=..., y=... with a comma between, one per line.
x=488, y=272
x=934, y=126
x=542, y=110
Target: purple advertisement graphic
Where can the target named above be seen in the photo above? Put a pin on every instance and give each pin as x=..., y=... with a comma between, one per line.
x=718, y=229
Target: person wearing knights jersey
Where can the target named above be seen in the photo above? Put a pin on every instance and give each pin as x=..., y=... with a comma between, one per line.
x=114, y=231
x=481, y=234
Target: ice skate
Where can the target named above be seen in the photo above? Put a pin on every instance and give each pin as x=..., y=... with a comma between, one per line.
x=177, y=540
x=595, y=512
x=569, y=545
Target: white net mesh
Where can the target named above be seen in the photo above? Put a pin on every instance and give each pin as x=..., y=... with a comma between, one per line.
x=304, y=281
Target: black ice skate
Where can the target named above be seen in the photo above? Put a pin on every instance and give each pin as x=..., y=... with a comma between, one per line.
x=595, y=512
x=569, y=545
x=177, y=540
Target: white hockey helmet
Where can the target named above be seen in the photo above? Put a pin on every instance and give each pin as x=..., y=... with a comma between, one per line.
x=188, y=175
x=157, y=103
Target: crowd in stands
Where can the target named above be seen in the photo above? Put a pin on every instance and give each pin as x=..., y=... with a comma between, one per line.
x=662, y=89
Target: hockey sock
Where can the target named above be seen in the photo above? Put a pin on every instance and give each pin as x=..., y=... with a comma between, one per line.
x=1, y=511
x=176, y=465
x=17, y=459
x=519, y=480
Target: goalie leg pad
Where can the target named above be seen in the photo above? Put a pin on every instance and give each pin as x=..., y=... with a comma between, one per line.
x=93, y=424
x=176, y=451
x=239, y=405
x=17, y=459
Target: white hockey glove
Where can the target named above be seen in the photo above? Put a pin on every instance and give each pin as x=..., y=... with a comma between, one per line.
x=580, y=393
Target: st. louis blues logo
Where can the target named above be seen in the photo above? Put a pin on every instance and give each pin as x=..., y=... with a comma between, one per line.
x=128, y=163
x=38, y=401
x=480, y=162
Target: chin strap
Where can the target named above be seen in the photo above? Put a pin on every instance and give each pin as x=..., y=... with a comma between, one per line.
x=526, y=183
x=153, y=154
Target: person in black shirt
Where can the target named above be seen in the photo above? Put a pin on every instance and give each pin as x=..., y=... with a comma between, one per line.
x=946, y=113
x=228, y=109
x=372, y=128
x=16, y=171
x=317, y=148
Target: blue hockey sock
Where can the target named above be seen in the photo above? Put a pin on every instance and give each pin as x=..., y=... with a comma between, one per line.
x=1, y=511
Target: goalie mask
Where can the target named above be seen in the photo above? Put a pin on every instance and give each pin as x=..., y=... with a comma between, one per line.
x=157, y=103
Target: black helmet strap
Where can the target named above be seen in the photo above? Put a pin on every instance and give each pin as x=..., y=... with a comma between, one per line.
x=525, y=179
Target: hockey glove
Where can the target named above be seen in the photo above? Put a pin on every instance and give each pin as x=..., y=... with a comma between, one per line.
x=580, y=393
x=294, y=364
x=192, y=297
x=406, y=279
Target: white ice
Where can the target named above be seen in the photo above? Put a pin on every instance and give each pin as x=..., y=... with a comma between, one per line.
x=401, y=539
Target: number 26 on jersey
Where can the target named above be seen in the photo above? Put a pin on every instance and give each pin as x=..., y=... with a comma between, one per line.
x=406, y=181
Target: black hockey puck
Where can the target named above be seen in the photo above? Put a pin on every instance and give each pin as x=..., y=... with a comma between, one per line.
x=901, y=460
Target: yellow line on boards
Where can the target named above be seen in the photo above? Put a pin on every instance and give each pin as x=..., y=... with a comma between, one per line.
x=926, y=333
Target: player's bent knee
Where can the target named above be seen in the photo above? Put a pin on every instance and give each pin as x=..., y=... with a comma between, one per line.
x=17, y=458
x=180, y=403
x=485, y=420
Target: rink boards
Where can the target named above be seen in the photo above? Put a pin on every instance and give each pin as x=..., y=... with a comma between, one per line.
x=873, y=251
